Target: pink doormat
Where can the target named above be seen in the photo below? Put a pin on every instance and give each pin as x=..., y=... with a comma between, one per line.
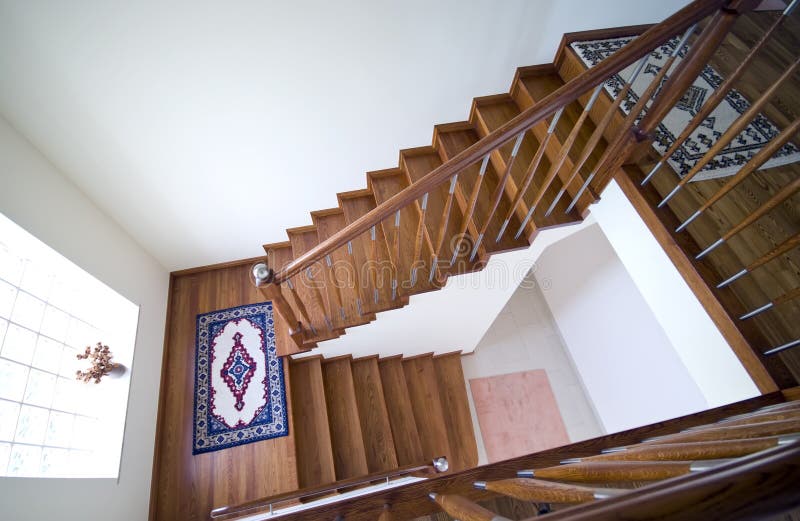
x=518, y=414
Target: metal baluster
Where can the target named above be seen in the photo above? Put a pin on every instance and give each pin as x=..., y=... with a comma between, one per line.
x=373, y=233
x=530, y=173
x=473, y=200
x=754, y=164
x=396, y=253
x=785, y=246
x=337, y=294
x=784, y=347
x=443, y=226
x=786, y=192
x=318, y=297
x=356, y=280
x=498, y=194
x=419, y=239
x=298, y=302
x=777, y=301
x=719, y=93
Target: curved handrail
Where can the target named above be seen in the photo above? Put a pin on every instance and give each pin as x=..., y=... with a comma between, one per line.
x=653, y=37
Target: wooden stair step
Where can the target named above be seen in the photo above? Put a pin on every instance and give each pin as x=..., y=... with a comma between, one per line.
x=342, y=278
x=315, y=464
x=349, y=455
x=374, y=415
x=278, y=255
x=408, y=446
x=455, y=406
x=356, y=204
x=450, y=140
x=418, y=162
x=490, y=113
x=423, y=389
x=384, y=184
x=531, y=85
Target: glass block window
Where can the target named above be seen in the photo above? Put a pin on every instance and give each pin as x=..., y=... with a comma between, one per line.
x=51, y=424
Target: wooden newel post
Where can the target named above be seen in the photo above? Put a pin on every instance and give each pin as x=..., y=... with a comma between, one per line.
x=263, y=278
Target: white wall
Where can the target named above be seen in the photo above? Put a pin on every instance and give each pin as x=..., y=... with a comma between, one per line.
x=628, y=366
x=39, y=198
x=701, y=347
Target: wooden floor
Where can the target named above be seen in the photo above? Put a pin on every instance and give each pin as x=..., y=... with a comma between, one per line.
x=187, y=487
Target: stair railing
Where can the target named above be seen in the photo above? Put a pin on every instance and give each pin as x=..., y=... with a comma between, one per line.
x=273, y=504
x=531, y=202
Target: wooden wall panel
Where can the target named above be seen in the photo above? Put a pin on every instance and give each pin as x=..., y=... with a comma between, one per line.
x=187, y=487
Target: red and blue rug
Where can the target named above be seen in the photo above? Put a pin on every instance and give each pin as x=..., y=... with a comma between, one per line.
x=239, y=392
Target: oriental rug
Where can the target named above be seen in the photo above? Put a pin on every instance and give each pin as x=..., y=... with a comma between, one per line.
x=239, y=392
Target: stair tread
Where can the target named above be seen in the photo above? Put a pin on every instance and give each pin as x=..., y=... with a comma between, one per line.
x=349, y=455
x=374, y=415
x=408, y=446
x=315, y=465
x=457, y=416
x=423, y=389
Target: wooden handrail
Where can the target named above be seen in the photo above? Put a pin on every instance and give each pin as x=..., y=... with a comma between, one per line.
x=257, y=504
x=653, y=37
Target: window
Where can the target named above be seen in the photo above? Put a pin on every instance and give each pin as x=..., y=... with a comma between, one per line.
x=52, y=425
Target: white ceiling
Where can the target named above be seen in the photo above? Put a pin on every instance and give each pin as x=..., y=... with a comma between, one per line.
x=207, y=128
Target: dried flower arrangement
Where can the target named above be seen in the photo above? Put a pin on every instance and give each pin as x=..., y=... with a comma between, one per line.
x=101, y=362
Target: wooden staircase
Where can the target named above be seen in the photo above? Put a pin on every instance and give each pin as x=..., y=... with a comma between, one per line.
x=357, y=417
x=424, y=243
x=540, y=155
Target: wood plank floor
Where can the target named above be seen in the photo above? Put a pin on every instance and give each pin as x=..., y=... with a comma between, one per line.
x=188, y=487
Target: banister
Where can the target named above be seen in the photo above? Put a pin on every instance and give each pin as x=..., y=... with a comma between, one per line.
x=653, y=37
x=427, y=469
